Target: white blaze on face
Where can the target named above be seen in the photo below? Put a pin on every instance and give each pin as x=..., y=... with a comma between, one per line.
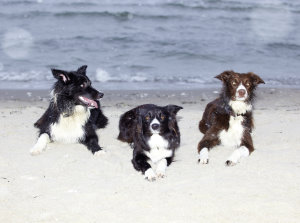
x=241, y=87
x=154, y=121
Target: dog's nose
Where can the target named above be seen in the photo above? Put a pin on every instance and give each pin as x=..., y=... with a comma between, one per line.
x=100, y=95
x=241, y=92
x=155, y=126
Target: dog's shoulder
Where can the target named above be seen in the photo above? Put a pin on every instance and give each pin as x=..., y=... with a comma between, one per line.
x=211, y=106
x=127, y=125
x=49, y=116
x=217, y=114
x=216, y=107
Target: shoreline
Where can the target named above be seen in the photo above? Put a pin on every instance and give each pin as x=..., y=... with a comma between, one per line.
x=193, y=97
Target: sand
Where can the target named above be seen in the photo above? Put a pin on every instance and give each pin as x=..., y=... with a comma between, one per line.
x=67, y=183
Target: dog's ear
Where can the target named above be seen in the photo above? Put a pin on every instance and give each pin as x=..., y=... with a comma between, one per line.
x=172, y=125
x=126, y=126
x=225, y=75
x=82, y=70
x=139, y=121
x=139, y=124
x=173, y=109
x=255, y=78
x=61, y=75
x=172, y=122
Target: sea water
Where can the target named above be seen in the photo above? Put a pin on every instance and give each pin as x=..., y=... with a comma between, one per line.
x=148, y=44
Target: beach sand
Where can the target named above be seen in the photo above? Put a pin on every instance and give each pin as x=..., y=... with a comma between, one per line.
x=67, y=183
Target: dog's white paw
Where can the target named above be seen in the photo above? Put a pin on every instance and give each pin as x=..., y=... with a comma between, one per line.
x=161, y=168
x=203, y=156
x=161, y=175
x=230, y=163
x=35, y=151
x=237, y=155
x=150, y=175
x=40, y=145
x=100, y=153
x=203, y=161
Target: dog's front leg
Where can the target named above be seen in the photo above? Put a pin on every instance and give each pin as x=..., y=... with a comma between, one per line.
x=41, y=144
x=209, y=140
x=161, y=168
x=91, y=142
x=140, y=163
x=244, y=150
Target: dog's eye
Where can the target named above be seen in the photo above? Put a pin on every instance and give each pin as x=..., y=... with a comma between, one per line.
x=83, y=85
x=147, y=118
x=162, y=117
x=234, y=83
x=247, y=84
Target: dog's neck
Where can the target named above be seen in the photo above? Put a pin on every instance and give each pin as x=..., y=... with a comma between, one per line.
x=240, y=107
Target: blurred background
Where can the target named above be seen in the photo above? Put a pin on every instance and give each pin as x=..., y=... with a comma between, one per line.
x=143, y=44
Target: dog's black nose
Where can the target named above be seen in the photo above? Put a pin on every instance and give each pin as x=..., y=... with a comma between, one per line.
x=155, y=126
x=100, y=95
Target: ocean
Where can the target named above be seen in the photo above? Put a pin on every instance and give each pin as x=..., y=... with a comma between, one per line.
x=149, y=44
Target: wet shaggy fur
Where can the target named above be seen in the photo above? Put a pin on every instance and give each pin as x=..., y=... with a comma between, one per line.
x=74, y=113
x=153, y=133
x=228, y=120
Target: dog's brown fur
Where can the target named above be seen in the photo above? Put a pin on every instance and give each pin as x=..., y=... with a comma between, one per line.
x=218, y=112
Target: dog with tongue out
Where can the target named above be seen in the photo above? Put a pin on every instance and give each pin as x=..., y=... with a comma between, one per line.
x=74, y=113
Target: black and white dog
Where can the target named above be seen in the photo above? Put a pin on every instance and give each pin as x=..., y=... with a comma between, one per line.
x=74, y=113
x=153, y=134
x=228, y=119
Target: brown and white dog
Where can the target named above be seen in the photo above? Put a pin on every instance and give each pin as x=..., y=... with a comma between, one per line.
x=228, y=119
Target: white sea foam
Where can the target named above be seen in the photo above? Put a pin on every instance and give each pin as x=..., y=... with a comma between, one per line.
x=139, y=78
x=102, y=75
x=32, y=75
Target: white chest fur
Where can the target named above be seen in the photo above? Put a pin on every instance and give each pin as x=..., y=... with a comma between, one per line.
x=158, y=148
x=240, y=107
x=234, y=134
x=70, y=129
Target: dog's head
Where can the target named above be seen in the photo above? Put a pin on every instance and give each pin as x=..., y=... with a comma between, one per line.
x=239, y=87
x=147, y=120
x=154, y=119
x=74, y=87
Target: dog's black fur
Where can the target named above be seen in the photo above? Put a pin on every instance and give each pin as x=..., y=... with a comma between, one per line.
x=70, y=90
x=134, y=129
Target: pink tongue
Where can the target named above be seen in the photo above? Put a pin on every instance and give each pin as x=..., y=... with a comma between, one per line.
x=91, y=102
x=94, y=104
